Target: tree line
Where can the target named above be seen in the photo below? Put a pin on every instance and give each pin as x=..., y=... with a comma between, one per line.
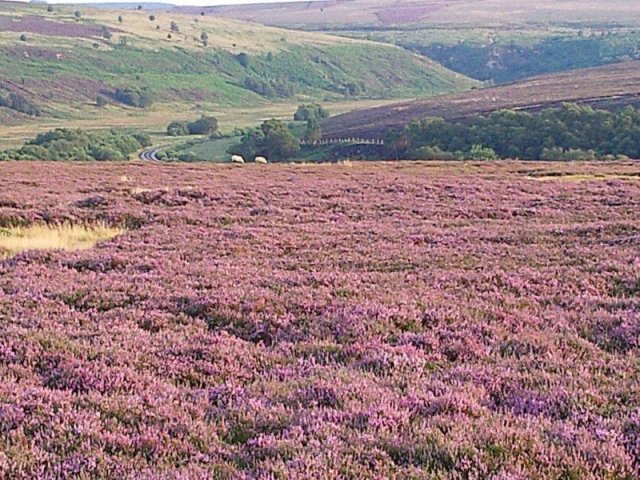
x=203, y=126
x=569, y=132
x=64, y=144
x=18, y=103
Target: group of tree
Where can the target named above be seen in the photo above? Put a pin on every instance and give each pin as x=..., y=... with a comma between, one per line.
x=202, y=126
x=570, y=132
x=134, y=97
x=18, y=103
x=279, y=86
x=313, y=114
x=79, y=145
x=273, y=139
x=310, y=111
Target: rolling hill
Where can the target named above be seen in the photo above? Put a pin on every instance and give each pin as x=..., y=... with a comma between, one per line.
x=603, y=87
x=497, y=41
x=329, y=13
x=62, y=61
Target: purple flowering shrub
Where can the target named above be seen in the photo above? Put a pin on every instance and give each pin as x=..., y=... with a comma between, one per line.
x=317, y=322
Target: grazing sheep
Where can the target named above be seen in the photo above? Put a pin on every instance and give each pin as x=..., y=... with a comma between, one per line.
x=237, y=159
x=261, y=160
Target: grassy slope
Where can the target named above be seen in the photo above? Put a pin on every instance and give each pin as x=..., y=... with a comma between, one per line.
x=64, y=75
x=490, y=40
x=606, y=87
x=503, y=56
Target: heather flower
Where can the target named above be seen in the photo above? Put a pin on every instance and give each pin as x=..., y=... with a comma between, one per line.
x=384, y=321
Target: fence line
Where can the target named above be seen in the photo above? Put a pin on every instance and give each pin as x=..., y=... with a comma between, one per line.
x=354, y=140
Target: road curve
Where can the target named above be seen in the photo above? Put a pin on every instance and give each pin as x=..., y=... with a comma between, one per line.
x=150, y=154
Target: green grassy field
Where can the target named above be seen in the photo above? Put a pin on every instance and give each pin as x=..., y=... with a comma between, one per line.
x=62, y=64
x=502, y=56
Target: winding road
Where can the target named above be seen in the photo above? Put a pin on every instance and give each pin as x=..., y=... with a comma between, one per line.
x=149, y=155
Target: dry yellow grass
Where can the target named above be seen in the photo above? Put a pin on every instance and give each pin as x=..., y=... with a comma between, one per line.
x=14, y=240
x=231, y=35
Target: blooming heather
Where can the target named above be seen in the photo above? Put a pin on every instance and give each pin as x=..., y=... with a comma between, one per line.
x=424, y=321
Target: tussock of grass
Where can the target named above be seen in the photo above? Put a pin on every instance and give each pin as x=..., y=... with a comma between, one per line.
x=14, y=240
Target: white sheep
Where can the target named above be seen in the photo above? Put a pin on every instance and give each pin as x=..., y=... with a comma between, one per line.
x=237, y=159
x=261, y=160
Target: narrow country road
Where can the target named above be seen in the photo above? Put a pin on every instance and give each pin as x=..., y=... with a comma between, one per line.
x=150, y=154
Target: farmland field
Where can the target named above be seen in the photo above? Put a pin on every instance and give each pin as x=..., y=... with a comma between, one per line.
x=373, y=320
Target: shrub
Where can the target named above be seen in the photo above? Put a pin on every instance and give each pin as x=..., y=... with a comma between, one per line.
x=23, y=38
x=178, y=129
x=313, y=132
x=152, y=18
x=49, y=8
x=143, y=139
x=243, y=59
x=101, y=101
x=20, y=104
x=434, y=153
x=65, y=144
x=174, y=27
x=479, y=152
x=77, y=14
x=306, y=112
x=260, y=87
x=203, y=126
x=135, y=97
x=273, y=140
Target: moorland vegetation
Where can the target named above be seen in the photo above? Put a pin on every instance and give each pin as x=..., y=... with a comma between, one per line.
x=79, y=145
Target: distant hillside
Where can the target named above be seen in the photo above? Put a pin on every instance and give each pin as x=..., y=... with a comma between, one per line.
x=329, y=13
x=605, y=87
x=129, y=6
x=498, y=41
x=62, y=61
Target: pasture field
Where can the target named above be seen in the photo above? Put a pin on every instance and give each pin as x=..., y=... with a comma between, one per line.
x=365, y=321
x=154, y=120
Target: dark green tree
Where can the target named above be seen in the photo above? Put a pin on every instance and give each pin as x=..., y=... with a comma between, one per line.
x=203, y=126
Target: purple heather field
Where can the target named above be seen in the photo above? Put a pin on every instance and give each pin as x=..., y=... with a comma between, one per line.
x=373, y=321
